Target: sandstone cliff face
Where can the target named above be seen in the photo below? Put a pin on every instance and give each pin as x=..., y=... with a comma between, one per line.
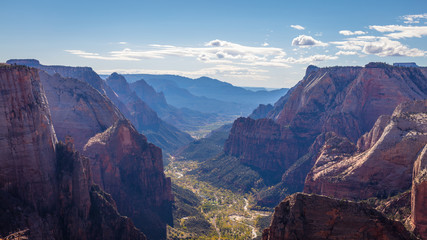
x=419, y=195
x=85, y=74
x=27, y=138
x=129, y=168
x=302, y=216
x=344, y=100
x=263, y=144
x=46, y=187
x=382, y=166
x=145, y=119
x=78, y=110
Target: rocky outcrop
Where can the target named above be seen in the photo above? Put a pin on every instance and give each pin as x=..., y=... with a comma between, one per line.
x=343, y=100
x=129, y=168
x=419, y=195
x=302, y=216
x=382, y=164
x=145, y=119
x=293, y=179
x=261, y=111
x=78, y=110
x=46, y=187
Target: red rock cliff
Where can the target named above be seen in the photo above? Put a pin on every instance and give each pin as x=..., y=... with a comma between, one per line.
x=27, y=138
x=382, y=166
x=344, y=100
x=302, y=216
x=131, y=169
x=78, y=110
x=44, y=186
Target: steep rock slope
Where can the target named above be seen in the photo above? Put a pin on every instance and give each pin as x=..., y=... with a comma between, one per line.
x=419, y=195
x=27, y=142
x=129, y=168
x=46, y=187
x=78, y=110
x=302, y=216
x=146, y=120
x=183, y=118
x=85, y=74
x=344, y=100
x=383, y=164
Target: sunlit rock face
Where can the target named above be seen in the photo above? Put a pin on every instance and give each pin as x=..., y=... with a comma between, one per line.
x=78, y=110
x=343, y=100
x=381, y=166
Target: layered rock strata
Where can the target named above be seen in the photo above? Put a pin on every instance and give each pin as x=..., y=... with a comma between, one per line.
x=302, y=216
x=46, y=186
x=381, y=165
x=343, y=100
x=129, y=168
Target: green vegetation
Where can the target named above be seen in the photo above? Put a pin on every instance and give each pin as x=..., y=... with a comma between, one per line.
x=204, y=211
x=205, y=148
x=225, y=171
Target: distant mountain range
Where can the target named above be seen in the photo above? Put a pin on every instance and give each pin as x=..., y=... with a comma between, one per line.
x=206, y=94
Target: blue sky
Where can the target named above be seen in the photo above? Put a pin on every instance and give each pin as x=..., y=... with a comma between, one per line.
x=247, y=43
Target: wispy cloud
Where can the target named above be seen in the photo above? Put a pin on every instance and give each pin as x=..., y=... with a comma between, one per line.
x=123, y=43
x=307, y=41
x=213, y=51
x=414, y=18
x=350, y=33
x=399, y=31
x=89, y=55
x=298, y=27
x=346, y=53
x=305, y=60
x=380, y=46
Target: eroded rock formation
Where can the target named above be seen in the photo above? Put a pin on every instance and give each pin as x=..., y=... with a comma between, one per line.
x=78, y=110
x=343, y=100
x=382, y=165
x=419, y=195
x=46, y=186
x=125, y=165
x=302, y=216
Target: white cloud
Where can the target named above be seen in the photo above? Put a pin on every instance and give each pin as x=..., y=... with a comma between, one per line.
x=350, y=33
x=414, y=18
x=123, y=43
x=305, y=60
x=380, y=46
x=298, y=27
x=347, y=53
x=399, y=31
x=215, y=51
x=89, y=55
x=265, y=44
x=306, y=41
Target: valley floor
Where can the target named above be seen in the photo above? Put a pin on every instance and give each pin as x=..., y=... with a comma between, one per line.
x=228, y=213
